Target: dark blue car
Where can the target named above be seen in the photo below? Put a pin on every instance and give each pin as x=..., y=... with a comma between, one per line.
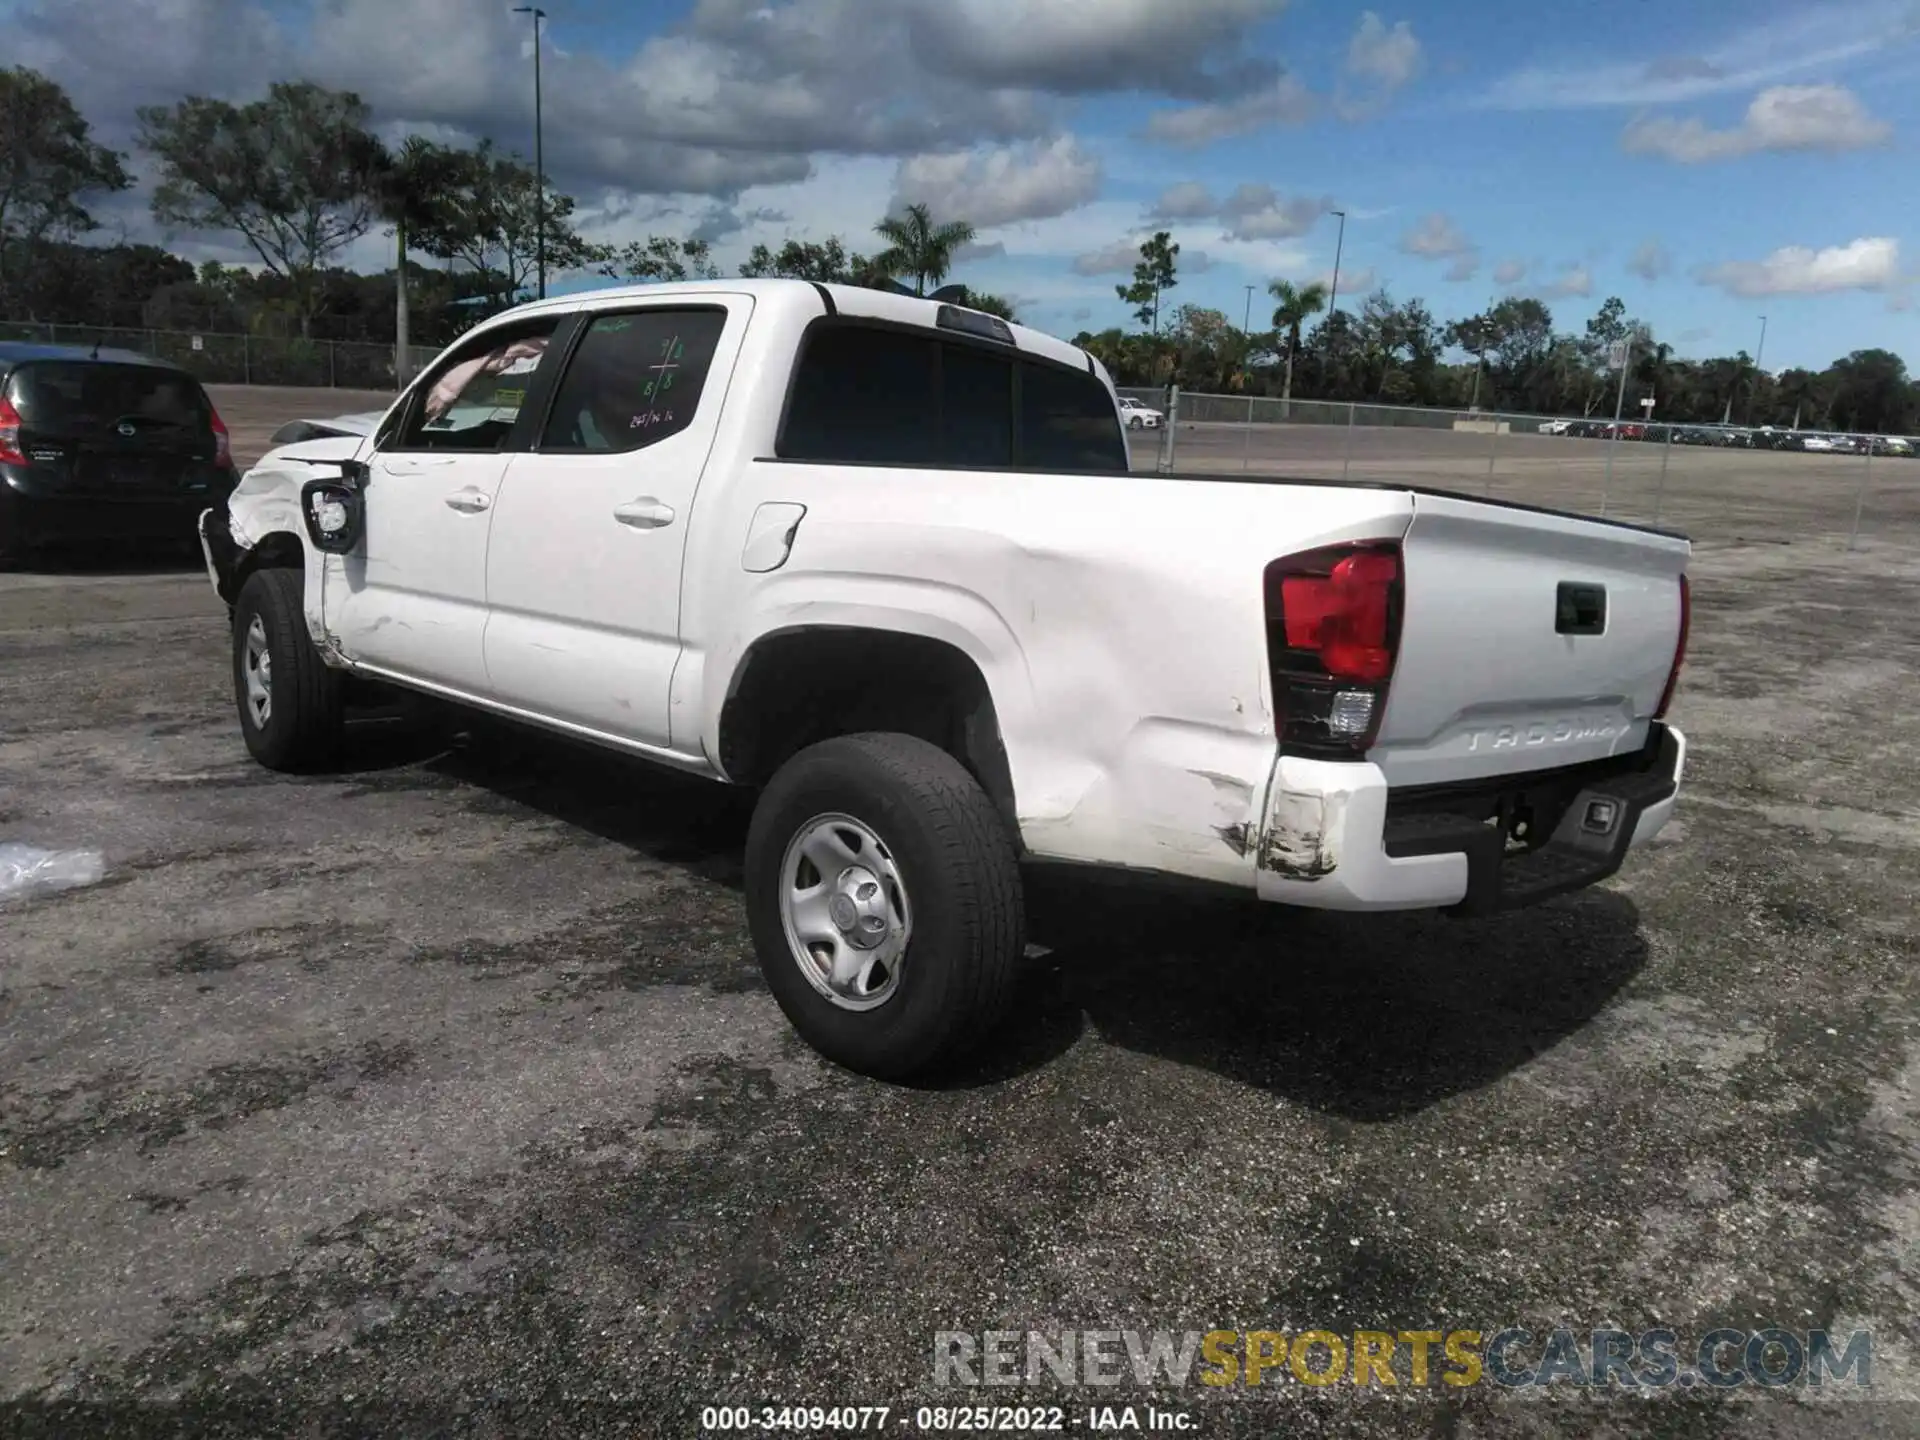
x=104, y=446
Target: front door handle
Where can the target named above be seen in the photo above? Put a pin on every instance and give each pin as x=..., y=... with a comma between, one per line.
x=646, y=513
x=469, y=501
x=412, y=464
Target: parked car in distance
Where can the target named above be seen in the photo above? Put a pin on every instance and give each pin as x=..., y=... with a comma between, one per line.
x=1139, y=415
x=103, y=446
x=882, y=560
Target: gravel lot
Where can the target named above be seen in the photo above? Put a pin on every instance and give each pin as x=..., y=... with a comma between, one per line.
x=450, y=1079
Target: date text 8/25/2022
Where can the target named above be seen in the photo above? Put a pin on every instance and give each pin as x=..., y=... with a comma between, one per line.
x=944, y=1419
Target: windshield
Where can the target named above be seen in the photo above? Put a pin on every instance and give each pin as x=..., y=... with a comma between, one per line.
x=80, y=397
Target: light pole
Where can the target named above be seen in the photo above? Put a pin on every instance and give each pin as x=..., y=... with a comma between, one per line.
x=1246, y=344
x=1759, y=352
x=1333, y=293
x=539, y=157
x=1333, y=296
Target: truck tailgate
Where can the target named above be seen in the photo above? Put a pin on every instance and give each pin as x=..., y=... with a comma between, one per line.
x=1529, y=640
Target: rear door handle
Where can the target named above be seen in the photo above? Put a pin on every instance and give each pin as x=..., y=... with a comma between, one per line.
x=646, y=513
x=469, y=501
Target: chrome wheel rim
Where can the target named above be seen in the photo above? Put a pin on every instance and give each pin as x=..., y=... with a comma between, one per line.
x=257, y=672
x=845, y=912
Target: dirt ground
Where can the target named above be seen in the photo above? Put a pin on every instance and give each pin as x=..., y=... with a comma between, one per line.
x=449, y=1079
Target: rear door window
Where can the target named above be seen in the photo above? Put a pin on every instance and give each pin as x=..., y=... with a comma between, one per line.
x=635, y=378
x=93, y=401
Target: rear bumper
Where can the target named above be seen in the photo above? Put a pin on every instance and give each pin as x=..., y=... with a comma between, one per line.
x=34, y=518
x=1336, y=837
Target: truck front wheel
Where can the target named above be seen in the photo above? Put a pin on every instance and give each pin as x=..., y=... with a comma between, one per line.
x=290, y=700
x=883, y=895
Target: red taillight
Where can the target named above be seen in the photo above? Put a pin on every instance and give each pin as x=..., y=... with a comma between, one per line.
x=222, y=445
x=1333, y=624
x=1679, y=649
x=10, y=451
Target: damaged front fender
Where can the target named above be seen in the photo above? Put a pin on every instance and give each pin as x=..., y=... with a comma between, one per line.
x=221, y=552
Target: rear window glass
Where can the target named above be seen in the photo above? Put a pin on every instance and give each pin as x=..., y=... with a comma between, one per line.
x=1067, y=422
x=878, y=396
x=73, y=397
x=863, y=396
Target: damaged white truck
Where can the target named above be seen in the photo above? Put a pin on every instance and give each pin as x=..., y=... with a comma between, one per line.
x=885, y=560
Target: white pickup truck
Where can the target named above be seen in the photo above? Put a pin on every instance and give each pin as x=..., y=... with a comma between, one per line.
x=883, y=559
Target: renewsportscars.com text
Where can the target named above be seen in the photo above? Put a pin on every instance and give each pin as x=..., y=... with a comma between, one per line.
x=1513, y=1357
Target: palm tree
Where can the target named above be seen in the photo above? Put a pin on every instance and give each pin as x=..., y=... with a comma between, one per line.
x=408, y=187
x=1297, y=305
x=918, y=247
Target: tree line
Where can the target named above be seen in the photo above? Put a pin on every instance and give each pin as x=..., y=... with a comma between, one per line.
x=1394, y=352
x=299, y=177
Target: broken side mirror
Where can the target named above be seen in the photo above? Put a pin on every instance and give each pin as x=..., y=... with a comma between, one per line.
x=334, y=509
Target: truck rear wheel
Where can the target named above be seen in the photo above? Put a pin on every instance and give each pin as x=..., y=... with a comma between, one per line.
x=884, y=900
x=290, y=700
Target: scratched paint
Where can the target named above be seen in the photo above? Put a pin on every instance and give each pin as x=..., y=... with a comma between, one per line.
x=1299, y=841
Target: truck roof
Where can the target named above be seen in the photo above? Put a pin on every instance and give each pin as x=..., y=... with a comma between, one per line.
x=805, y=296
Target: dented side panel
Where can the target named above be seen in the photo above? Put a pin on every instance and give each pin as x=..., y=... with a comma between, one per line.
x=1117, y=620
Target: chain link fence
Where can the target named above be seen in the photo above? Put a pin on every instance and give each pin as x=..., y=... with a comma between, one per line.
x=240, y=359
x=1715, y=482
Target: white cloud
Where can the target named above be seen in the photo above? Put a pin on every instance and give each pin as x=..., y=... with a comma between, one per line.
x=1251, y=212
x=1259, y=212
x=737, y=94
x=1436, y=237
x=1119, y=258
x=1283, y=258
x=1509, y=272
x=1869, y=263
x=1572, y=282
x=996, y=186
x=1464, y=268
x=1189, y=200
x=1363, y=281
x=1813, y=40
x=1650, y=261
x=1284, y=102
x=1194, y=50
x=1782, y=119
x=1387, y=56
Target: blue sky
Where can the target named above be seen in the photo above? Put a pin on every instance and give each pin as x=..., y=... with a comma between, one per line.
x=1710, y=163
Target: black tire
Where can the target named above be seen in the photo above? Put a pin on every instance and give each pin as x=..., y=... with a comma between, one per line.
x=1134, y=424
x=955, y=862
x=306, y=719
